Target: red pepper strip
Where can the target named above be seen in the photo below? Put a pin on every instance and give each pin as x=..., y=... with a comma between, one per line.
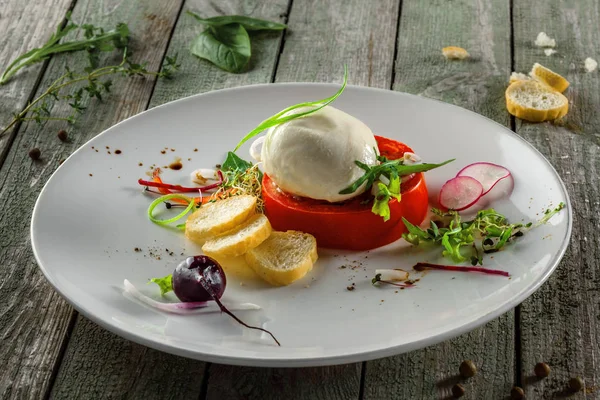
x=167, y=186
x=158, y=183
x=423, y=266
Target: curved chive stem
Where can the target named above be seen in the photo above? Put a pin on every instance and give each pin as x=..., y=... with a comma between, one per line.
x=169, y=197
x=280, y=119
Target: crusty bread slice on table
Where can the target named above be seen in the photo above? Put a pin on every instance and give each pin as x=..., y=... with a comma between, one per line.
x=549, y=77
x=533, y=101
x=284, y=257
x=238, y=241
x=213, y=219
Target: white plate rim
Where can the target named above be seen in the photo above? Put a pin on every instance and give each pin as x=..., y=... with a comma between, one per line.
x=359, y=356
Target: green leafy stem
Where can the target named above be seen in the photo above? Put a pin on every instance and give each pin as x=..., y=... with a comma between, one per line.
x=280, y=118
x=39, y=109
x=95, y=40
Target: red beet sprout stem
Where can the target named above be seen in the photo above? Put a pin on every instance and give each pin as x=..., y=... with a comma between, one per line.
x=224, y=309
x=423, y=266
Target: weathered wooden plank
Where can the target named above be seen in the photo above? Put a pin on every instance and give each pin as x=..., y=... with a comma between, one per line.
x=478, y=84
x=24, y=25
x=325, y=35
x=197, y=75
x=98, y=364
x=560, y=323
x=118, y=368
x=33, y=318
x=322, y=36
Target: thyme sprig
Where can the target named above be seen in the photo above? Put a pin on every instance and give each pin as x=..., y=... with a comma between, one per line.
x=95, y=85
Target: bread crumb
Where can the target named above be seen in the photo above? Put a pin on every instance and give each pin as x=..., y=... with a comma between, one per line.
x=518, y=76
x=455, y=53
x=590, y=64
x=549, y=52
x=544, y=40
x=306, y=286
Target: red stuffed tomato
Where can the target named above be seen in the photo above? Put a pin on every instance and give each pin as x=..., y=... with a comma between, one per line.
x=349, y=225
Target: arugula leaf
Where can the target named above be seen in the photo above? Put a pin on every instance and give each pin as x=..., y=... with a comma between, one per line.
x=387, y=168
x=249, y=23
x=279, y=118
x=95, y=39
x=227, y=46
x=165, y=284
x=234, y=163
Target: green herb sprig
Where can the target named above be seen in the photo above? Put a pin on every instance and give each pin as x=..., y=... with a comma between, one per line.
x=280, y=118
x=226, y=42
x=393, y=170
x=95, y=85
x=461, y=240
x=95, y=40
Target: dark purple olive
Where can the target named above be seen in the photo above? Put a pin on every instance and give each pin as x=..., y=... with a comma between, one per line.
x=189, y=275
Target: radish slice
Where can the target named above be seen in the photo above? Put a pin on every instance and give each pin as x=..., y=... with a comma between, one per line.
x=460, y=193
x=487, y=174
x=502, y=188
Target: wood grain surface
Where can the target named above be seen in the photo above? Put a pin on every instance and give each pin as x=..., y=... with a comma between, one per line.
x=48, y=350
x=560, y=323
x=34, y=320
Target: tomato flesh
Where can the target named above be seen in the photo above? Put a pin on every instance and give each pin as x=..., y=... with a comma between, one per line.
x=349, y=225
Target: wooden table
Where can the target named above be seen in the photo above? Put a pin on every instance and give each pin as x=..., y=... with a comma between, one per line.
x=48, y=350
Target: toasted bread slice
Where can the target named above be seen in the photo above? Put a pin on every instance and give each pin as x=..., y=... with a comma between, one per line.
x=241, y=239
x=284, y=257
x=534, y=101
x=550, y=78
x=455, y=53
x=216, y=218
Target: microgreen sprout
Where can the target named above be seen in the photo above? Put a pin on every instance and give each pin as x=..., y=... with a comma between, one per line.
x=464, y=241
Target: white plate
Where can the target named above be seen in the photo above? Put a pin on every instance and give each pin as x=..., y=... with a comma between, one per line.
x=92, y=214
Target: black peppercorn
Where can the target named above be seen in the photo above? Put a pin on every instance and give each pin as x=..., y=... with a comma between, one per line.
x=541, y=370
x=35, y=153
x=576, y=384
x=458, y=391
x=62, y=135
x=516, y=393
x=467, y=369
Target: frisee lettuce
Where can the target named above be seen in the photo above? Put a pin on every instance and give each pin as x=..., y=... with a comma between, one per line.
x=165, y=284
x=461, y=240
x=384, y=195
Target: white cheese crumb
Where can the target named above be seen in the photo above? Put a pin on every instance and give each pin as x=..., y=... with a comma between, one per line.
x=544, y=40
x=549, y=52
x=590, y=64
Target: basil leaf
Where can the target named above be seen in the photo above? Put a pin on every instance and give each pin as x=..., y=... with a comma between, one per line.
x=227, y=46
x=234, y=163
x=165, y=284
x=249, y=23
